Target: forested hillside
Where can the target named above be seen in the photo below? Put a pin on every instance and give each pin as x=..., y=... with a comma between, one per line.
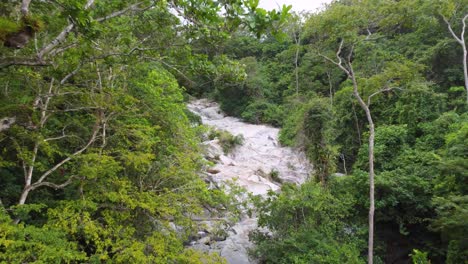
x=101, y=160
x=405, y=62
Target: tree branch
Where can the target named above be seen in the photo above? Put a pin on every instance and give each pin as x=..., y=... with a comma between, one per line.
x=7, y=62
x=387, y=89
x=61, y=37
x=53, y=185
x=172, y=67
x=58, y=165
x=60, y=137
x=76, y=109
x=71, y=74
x=57, y=51
x=133, y=7
x=452, y=32
x=339, y=63
x=464, y=28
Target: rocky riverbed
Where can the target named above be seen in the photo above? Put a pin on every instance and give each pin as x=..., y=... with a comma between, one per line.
x=251, y=166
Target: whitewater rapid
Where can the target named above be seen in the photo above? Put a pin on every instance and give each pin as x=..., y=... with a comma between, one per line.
x=249, y=165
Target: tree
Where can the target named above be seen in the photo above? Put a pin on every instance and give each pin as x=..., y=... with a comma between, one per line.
x=389, y=76
x=461, y=40
x=306, y=224
x=294, y=28
x=347, y=67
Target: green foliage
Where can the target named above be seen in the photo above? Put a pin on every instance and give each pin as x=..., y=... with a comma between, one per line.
x=113, y=156
x=451, y=223
x=274, y=176
x=310, y=127
x=419, y=257
x=390, y=141
x=263, y=112
x=7, y=27
x=307, y=224
x=131, y=187
x=227, y=140
x=101, y=145
x=20, y=244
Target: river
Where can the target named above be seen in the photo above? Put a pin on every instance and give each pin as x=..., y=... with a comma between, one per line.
x=250, y=164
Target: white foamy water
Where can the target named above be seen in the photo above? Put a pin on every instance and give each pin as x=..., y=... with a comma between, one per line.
x=248, y=164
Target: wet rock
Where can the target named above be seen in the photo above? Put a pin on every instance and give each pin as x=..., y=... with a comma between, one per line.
x=213, y=171
x=204, y=241
x=212, y=149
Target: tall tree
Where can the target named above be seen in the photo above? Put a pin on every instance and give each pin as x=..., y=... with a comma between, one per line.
x=346, y=66
x=461, y=40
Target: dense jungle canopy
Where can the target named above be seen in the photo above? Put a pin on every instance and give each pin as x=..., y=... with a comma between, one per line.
x=101, y=161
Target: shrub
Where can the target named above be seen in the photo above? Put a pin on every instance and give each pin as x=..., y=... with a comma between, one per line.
x=227, y=141
x=274, y=176
x=263, y=112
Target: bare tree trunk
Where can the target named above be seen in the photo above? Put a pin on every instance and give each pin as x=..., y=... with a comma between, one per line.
x=331, y=88
x=297, y=65
x=365, y=107
x=465, y=68
x=348, y=69
x=461, y=41
x=296, y=23
x=343, y=158
x=371, y=193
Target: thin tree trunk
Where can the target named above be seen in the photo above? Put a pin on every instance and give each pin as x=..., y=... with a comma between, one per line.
x=331, y=88
x=365, y=107
x=297, y=64
x=28, y=176
x=29, y=170
x=343, y=157
x=370, y=255
x=465, y=68
x=461, y=41
x=348, y=69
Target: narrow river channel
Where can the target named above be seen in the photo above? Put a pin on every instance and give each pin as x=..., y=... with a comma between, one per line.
x=250, y=164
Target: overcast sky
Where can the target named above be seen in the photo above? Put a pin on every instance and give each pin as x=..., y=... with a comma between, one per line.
x=297, y=5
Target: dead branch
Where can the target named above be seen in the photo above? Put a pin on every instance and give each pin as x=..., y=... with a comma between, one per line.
x=63, y=49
